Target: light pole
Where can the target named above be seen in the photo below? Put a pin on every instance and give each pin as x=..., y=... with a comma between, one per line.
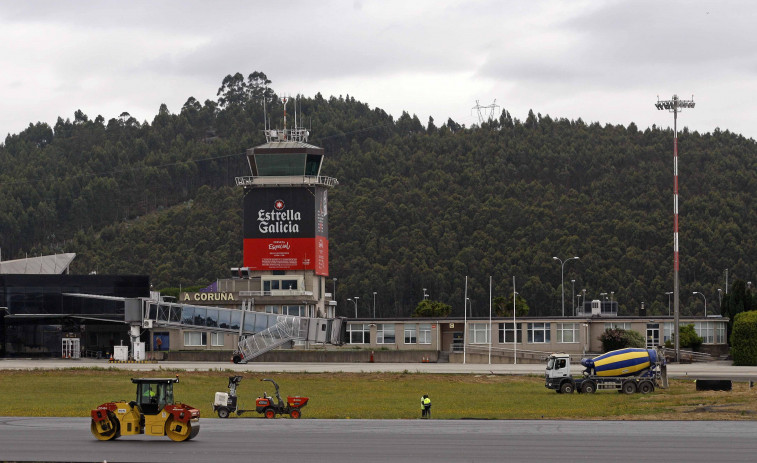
x=669, y=293
x=583, y=302
x=374, y=304
x=515, y=327
x=612, y=296
x=675, y=105
x=720, y=300
x=355, y=301
x=573, y=297
x=562, y=279
x=705, y=302
x=586, y=340
x=425, y=296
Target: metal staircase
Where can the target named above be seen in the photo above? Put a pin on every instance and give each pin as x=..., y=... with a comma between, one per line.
x=287, y=328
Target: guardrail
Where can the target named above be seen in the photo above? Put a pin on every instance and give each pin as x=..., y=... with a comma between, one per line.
x=287, y=180
x=687, y=356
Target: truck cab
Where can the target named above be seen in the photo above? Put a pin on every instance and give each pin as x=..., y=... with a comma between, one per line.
x=557, y=375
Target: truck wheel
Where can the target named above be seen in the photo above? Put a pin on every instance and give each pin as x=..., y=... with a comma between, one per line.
x=628, y=387
x=645, y=387
x=296, y=414
x=223, y=412
x=269, y=413
x=566, y=387
x=588, y=387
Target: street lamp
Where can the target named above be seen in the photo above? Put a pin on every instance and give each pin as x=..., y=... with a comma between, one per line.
x=355, y=301
x=720, y=300
x=374, y=304
x=675, y=105
x=425, y=296
x=583, y=301
x=612, y=295
x=573, y=297
x=562, y=279
x=586, y=340
x=669, y=293
x=705, y=302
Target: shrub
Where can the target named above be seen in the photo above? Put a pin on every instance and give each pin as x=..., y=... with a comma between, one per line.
x=635, y=339
x=689, y=337
x=744, y=339
x=618, y=338
x=429, y=308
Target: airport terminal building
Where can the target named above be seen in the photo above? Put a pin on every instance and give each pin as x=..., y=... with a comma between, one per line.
x=43, y=312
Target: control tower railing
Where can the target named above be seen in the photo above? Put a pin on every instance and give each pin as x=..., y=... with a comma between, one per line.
x=317, y=180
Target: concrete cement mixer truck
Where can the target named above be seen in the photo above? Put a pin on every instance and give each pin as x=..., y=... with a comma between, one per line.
x=625, y=370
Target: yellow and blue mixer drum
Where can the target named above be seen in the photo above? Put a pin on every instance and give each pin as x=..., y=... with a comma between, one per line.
x=622, y=362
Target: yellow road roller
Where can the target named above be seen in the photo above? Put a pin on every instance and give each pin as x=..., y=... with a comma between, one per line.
x=153, y=413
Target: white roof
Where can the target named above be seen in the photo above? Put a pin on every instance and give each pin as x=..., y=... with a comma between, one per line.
x=44, y=265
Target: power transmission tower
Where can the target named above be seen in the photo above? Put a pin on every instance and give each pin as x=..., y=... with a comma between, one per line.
x=484, y=110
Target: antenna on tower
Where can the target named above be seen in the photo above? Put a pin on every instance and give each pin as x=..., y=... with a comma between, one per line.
x=481, y=115
x=284, y=102
x=265, y=120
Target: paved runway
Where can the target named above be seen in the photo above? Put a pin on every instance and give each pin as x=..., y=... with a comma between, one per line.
x=440, y=441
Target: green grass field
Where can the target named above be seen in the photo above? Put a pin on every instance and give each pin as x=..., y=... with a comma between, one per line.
x=74, y=392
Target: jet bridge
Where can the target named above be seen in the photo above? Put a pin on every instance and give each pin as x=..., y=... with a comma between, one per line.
x=258, y=332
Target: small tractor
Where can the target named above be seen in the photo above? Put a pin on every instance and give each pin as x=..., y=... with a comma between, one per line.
x=226, y=403
x=153, y=413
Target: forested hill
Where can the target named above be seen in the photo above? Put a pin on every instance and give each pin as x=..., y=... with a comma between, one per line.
x=419, y=205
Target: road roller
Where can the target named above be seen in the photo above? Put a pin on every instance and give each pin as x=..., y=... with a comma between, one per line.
x=153, y=413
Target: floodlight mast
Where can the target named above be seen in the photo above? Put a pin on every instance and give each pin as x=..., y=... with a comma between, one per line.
x=675, y=105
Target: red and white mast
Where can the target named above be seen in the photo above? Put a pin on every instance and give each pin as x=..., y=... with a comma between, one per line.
x=675, y=105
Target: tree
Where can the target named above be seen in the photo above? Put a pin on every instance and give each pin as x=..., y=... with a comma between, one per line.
x=503, y=307
x=738, y=300
x=744, y=339
x=429, y=308
x=258, y=86
x=233, y=91
x=618, y=338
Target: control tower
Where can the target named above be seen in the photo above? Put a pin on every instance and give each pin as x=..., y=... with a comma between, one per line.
x=285, y=232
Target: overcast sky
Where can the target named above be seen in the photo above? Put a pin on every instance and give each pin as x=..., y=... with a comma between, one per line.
x=602, y=61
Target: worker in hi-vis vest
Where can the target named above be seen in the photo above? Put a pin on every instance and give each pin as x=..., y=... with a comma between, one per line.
x=425, y=406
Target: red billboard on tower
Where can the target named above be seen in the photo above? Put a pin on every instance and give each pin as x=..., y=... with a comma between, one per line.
x=286, y=229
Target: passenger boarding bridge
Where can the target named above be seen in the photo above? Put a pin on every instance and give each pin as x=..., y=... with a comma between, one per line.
x=258, y=332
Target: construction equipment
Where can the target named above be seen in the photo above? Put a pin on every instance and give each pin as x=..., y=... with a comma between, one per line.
x=226, y=403
x=153, y=413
